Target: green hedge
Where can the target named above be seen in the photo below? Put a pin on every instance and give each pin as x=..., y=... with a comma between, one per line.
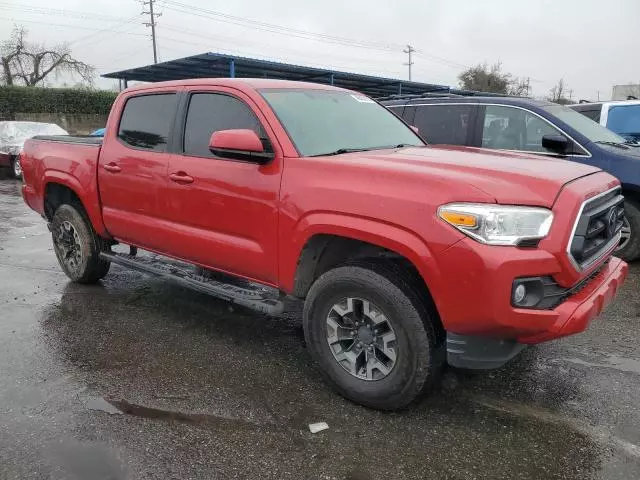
x=54, y=100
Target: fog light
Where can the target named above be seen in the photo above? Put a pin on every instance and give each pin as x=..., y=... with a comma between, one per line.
x=519, y=293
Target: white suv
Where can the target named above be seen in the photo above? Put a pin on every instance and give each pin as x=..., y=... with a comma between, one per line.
x=623, y=117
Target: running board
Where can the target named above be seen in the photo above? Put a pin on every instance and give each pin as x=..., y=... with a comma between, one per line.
x=251, y=295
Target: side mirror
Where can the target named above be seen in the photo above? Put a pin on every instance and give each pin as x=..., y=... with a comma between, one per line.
x=241, y=144
x=556, y=143
x=415, y=129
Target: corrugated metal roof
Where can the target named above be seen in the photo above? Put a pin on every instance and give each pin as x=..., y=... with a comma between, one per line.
x=223, y=65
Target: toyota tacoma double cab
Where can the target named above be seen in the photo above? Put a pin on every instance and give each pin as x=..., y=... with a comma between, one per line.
x=407, y=256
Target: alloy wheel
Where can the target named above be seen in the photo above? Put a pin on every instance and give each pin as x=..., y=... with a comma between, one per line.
x=361, y=338
x=69, y=246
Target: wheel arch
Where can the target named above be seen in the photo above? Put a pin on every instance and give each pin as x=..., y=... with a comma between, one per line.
x=60, y=188
x=338, y=241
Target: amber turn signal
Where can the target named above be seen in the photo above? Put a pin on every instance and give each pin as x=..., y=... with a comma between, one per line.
x=459, y=219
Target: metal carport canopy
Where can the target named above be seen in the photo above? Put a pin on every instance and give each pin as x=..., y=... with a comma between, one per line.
x=222, y=65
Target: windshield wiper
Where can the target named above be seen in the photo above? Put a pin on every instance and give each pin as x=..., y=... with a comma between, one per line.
x=623, y=145
x=340, y=151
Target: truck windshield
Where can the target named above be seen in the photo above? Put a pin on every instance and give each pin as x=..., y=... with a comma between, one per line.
x=326, y=122
x=625, y=120
x=587, y=127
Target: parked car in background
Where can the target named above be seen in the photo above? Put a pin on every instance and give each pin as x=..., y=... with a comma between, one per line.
x=622, y=117
x=406, y=255
x=533, y=127
x=12, y=137
x=98, y=133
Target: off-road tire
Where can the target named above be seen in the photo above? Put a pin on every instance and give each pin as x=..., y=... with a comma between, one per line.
x=91, y=267
x=631, y=250
x=419, y=339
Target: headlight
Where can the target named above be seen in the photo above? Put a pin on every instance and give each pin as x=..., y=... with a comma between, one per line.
x=498, y=224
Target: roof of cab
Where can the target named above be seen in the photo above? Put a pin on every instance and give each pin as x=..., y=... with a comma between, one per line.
x=241, y=83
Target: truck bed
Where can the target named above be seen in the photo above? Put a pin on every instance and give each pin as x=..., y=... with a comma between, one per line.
x=66, y=160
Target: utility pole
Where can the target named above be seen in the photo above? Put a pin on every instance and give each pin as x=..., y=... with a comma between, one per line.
x=598, y=92
x=570, y=94
x=152, y=23
x=409, y=50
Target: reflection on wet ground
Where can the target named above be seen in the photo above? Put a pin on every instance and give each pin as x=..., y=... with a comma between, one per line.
x=137, y=378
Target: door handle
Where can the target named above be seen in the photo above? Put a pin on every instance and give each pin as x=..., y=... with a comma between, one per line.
x=180, y=177
x=112, y=167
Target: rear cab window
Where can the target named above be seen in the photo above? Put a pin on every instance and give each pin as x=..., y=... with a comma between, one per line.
x=146, y=121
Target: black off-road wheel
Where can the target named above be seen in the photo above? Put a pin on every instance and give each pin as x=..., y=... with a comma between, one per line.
x=629, y=248
x=77, y=245
x=374, y=339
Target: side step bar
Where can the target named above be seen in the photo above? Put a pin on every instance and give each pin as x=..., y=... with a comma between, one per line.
x=257, y=297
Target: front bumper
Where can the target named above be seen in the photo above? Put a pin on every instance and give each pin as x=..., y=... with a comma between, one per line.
x=572, y=316
x=473, y=293
x=575, y=314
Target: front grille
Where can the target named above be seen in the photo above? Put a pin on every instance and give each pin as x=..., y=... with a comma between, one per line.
x=597, y=228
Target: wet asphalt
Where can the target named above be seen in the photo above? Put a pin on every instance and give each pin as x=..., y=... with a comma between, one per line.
x=137, y=378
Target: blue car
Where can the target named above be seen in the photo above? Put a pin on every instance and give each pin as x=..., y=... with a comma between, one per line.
x=531, y=126
x=98, y=133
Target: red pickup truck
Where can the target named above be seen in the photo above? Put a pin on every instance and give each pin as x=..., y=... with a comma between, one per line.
x=407, y=256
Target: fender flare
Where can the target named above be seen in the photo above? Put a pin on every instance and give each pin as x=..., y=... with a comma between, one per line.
x=88, y=198
x=382, y=234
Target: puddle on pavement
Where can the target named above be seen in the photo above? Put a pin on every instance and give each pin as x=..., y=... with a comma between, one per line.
x=100, y=404
x=612, y=361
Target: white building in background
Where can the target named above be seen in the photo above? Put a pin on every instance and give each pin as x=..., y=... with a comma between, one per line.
x=623, y=92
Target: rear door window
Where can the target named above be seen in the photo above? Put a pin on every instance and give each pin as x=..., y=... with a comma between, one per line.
x=509, y=128
x=445, y=124
x=146, y=121
x=211, y=112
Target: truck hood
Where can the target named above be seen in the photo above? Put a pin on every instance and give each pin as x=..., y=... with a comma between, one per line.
x=509, y=178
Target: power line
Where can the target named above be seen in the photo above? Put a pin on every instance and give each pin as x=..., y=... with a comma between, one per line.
x=152, y=23
x=274, y=28
x=262, y=45
x=23, y=8
x=269, y=58
x=79, y=27
x=409, y=50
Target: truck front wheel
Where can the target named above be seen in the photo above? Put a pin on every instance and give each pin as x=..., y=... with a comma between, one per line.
x=77, y=245
x=372, y=337
x=629, y=248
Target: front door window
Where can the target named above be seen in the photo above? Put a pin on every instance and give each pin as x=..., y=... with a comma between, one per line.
x=508, y=128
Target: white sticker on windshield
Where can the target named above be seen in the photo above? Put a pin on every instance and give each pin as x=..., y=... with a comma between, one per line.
x=363, y=99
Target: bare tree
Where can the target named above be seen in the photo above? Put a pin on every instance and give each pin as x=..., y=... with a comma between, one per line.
x=25, y=63
x=558, y=92
x=490, y=78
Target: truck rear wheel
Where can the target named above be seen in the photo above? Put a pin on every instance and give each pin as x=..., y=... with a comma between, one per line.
x=77, y=245
x=371, y=335
x=629, y=248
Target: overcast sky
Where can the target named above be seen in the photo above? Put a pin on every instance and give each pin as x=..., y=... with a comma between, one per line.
x=591, y=44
